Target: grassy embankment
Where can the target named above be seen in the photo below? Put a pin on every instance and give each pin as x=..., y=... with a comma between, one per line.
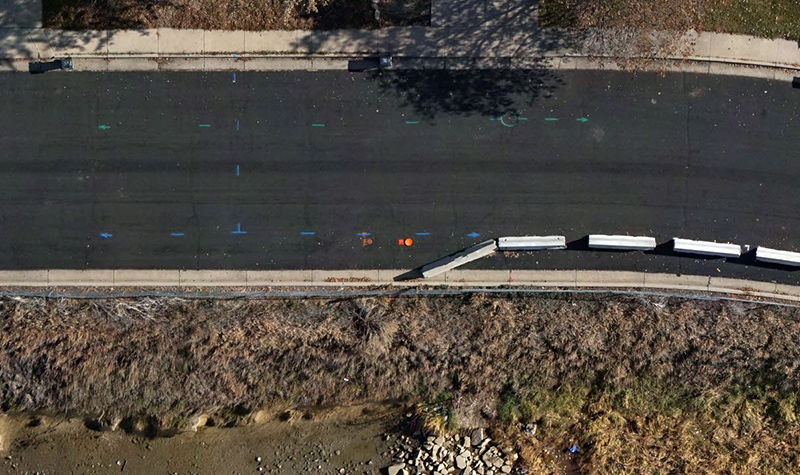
x=643, y=386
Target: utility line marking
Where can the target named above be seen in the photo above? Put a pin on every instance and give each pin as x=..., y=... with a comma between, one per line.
x=473, y=234
x=364, y=234
x=237, y=170
x=238, y=229
x=582, y=119
x=522, y=118
x=423, y=234
x=204, y=125
x=550, y=119
x=106, y=235
x=103, y=127
x=234, y=74
x=412, y=122
x=176, y=234
x=237, y=125
x=317, y=125
x=306, y=233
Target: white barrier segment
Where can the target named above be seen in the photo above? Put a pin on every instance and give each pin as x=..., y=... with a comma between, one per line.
x=775, y=256
x=459, y=258
x=706, y=248
x=531, y=243
x=624, y=243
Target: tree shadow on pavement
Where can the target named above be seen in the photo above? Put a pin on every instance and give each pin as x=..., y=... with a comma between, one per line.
x=21, y=45
x=485, y=92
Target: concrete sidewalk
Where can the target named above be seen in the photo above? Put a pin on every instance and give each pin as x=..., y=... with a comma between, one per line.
x=464, y=34
x=544, y=279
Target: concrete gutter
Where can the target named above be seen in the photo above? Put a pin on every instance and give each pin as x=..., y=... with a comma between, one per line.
x=545, y=279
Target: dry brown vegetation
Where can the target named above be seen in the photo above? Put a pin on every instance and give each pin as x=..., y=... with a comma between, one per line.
x=670, y=386
x=633, y=31
x=232, y=14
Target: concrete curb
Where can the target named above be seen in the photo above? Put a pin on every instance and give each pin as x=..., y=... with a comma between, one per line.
x=339, y=62
x=544, y=279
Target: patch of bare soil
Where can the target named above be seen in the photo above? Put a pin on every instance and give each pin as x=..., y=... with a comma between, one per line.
x=352, y=439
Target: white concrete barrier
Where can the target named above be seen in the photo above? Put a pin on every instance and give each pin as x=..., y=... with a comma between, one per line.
x=622, y=243
x=459, y=258
x=706, y=248
x=531, y=243
x=787, y=258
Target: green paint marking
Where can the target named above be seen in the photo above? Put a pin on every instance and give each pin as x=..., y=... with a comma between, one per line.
x=551, y=119
x=204, y=125
x=412, y=122
x=582, y=119
x=522, y=118
x=103, y=127
x=495, y=118
x=317, y=125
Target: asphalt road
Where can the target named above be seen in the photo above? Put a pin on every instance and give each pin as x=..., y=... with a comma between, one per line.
x=187, y=170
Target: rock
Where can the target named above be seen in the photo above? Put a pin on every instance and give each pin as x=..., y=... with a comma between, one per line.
x=258, y=459
x=505, y=469
x=467, y=441
x=439, y=440
x=497, y=462
x=338, y=452
x=395, y=469
x=461, y=462
x=477, y=436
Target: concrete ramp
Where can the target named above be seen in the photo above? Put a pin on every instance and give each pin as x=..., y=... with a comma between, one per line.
x=459, y=258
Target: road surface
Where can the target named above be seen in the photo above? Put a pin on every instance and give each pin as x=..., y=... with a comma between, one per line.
x=331, y=169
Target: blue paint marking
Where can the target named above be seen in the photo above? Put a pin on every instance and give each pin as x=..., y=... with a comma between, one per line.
x=423, y=234
x=237, y=170
x=105, y=235
x=473, y=234
x=176, y=234
x=234, y=74
x=237, y=125
x=238, y=229
x=306, y=233
x=364, y=234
